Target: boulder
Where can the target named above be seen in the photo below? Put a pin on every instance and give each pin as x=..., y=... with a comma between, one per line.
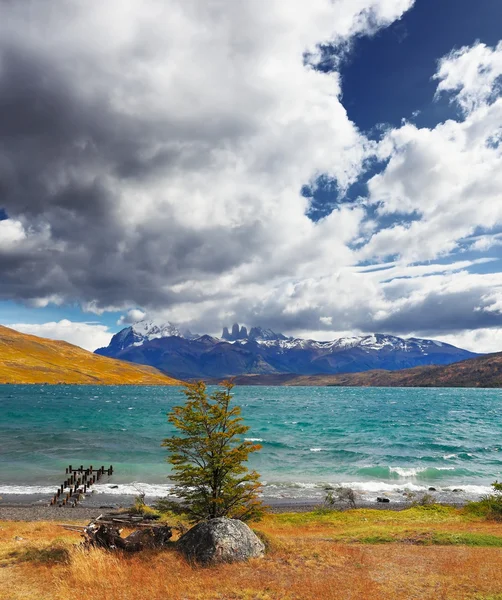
x=220, y=540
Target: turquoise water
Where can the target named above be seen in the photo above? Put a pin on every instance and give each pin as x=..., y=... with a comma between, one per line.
x=376, y=440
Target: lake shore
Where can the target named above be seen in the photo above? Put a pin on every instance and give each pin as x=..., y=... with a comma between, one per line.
x=11, y=511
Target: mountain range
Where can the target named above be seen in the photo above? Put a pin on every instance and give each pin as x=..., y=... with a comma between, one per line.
x=263, y=352
x=30, y=359
x=484, y=372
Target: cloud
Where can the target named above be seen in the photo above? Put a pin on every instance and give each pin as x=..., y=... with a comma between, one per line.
x=162, y=165
x=478, y=340
x=174, y=147
x=472, y=75
x=132, y=316
x=86, y=335
x=11, y=233
x=445, y=181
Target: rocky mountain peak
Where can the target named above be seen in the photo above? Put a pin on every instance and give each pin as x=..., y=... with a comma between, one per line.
x=255, y=333
x=238, y=333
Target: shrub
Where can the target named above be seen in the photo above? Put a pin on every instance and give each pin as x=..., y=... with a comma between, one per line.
x=420, y=499
x=340, y=496
x=490, y=506
x=208, y=458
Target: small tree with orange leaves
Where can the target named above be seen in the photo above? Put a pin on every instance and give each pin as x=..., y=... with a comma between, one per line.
x=208, y=457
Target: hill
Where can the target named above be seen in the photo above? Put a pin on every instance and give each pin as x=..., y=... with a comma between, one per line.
x=482, y=372
x=264, y=352
x=30, y=359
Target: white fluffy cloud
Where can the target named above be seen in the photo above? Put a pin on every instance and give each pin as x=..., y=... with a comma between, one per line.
x=165, y=160
x=448, y=178
x=11, y=232
x=472, y=74
x=132, y=316
x=86, y=335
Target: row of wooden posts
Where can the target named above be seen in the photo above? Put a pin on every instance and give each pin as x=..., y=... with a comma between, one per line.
x=78, y=482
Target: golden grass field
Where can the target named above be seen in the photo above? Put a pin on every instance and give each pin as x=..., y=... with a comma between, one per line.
x=423, y=552
x=30, y=359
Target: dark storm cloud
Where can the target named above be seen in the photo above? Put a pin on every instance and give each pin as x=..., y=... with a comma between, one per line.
x=441, y=313
x=56, y=152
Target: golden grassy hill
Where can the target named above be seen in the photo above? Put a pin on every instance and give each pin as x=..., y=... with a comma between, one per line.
x=30, y=359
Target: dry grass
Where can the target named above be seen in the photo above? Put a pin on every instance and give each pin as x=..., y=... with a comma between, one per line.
x=30, y=359
x=305, y=561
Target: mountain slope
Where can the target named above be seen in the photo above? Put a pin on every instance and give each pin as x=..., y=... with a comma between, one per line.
x=482, y=372
x=266, y=352
x=30, y=359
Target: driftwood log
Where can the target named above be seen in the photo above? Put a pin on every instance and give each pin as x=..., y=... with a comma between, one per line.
x=105, y=532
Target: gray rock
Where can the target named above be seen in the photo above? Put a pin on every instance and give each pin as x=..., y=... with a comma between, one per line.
x=220, y=540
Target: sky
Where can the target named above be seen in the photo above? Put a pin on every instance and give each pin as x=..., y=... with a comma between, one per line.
x=320, y=168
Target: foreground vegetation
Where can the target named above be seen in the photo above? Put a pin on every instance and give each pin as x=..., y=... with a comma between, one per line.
x=423, y=552
x=208, y=456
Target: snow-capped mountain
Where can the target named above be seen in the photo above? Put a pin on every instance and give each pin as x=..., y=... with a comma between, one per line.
x=149, y=330
x=262, y=351
x=141, y=333
x=375, y=341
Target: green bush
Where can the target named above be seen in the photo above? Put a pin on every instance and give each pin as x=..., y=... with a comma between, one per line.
x=489, y=507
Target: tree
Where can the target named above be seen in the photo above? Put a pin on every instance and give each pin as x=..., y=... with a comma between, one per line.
x=208, y=455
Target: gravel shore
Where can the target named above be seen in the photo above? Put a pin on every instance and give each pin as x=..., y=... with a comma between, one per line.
x=19, y=512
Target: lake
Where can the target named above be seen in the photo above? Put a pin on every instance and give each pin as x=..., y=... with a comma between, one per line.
x=376, y=440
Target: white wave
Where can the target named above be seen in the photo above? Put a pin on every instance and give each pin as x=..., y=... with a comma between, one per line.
x=28, y=489
x=471, y=490
x=127, y=489
x=448, y=456
x=253, y=439
x=414, y=471
x=380, y=487
x=298, y=490
x=133, y=489
x=406, y=472
x=316, y=449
